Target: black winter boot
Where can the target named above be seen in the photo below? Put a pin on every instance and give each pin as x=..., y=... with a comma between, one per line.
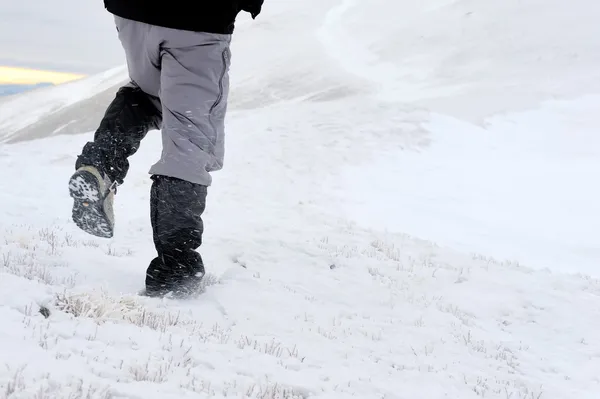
x=176, y=207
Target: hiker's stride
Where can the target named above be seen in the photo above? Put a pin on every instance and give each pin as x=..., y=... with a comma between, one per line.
x=178, y=59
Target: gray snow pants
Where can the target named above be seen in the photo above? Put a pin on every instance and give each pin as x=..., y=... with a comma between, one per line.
x=188, y=75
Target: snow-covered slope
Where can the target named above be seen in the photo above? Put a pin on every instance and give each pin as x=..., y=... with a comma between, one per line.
x=301, y=303
x=469, y=58
x=346, y=139
x=523, y=188
x=73, y=107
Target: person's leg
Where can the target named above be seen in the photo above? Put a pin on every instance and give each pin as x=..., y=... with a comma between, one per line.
x=126, y=122
x=103, y=162
x=176, y=208
x=194, y=92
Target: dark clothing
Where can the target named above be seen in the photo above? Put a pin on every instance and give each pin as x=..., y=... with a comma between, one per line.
x=176, y=205
x=127, y=120
x=212, y=16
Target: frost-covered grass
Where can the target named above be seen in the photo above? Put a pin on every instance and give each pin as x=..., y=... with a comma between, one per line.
x=351, y=314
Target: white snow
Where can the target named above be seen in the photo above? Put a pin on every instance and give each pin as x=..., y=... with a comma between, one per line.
x=523, y=188
x=22, y=111
x=469, y=58
x=386, y=225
